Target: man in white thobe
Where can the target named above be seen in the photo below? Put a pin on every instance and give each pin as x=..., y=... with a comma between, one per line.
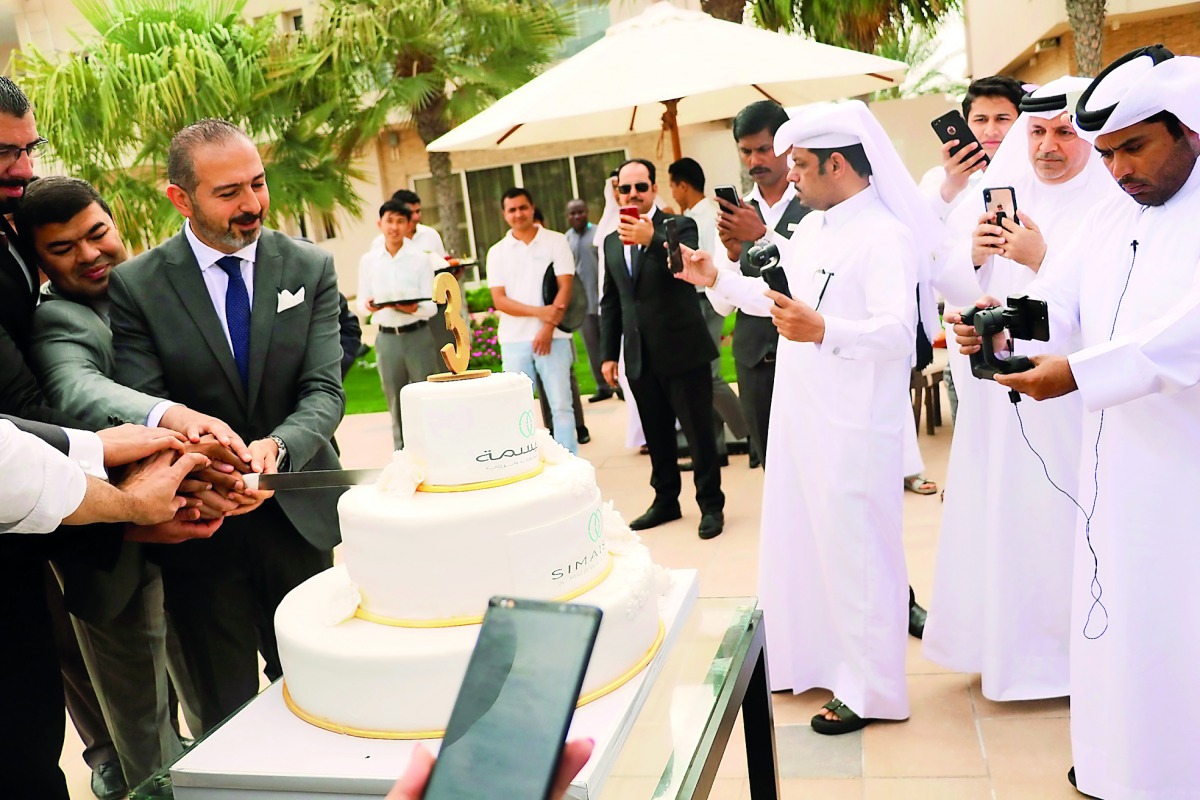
x=832, y=579
x=1003, y=576
x=1130, y=286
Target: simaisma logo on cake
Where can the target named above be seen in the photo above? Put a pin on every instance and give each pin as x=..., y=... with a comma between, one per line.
x=592, y=558
x=501, y=458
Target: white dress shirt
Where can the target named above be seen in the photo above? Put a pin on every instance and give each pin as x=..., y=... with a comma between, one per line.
x=39, y=486
x=519, y=269
x=424, y=237
x=407, y=275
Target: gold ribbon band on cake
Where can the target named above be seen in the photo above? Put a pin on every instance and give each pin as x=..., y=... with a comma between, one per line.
x=470, y=487
x=454, y=622
x=361, y=733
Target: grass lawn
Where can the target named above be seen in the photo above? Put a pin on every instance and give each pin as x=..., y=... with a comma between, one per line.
x=364, y=394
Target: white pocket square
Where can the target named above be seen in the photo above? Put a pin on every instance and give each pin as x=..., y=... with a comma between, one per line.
x=288, y=300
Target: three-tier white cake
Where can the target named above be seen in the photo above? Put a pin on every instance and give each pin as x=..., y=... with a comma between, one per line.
x=479, y=503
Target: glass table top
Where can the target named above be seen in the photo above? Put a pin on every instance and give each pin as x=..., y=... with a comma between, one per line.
x=668, y=735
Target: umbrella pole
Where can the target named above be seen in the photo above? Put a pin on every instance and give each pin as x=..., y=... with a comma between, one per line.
x=671, y=125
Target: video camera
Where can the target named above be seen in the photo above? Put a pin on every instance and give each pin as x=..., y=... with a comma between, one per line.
x=1023, y=317
x=765, y=258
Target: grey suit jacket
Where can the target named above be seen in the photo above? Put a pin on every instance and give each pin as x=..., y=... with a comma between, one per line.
x=72, y=353
x=169, y=343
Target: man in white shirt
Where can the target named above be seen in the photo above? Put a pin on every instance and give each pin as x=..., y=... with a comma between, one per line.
x=831, y=562
x=424, y=237
x=687, y=187
x=1127, y=283
x=395, y=287
x=530, y=340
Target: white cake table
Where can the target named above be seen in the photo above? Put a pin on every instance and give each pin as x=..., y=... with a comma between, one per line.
x=264, y=752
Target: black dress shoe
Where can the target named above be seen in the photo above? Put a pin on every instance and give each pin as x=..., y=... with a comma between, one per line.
x=620, y=393
x=755, y=461
x=582, y=434
x=916, y=616
x=689, y=466
x=711, y=524
x=654, y=516
x=601, y=395
x=108, y=782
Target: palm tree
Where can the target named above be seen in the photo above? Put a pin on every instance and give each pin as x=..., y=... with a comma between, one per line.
x=1087, y=26
x=110, y=107
x=435, y=63
x=857, y=24
x=917, y=47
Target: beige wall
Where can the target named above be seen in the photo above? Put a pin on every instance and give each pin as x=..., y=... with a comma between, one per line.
x=1002, y=34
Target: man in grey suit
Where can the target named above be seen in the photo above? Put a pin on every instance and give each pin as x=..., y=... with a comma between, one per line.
x=240, y=322
x=117, y=615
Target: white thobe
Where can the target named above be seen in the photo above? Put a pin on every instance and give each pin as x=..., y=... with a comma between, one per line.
x=1001, y=601
x=1135, y=710
x=832, y=580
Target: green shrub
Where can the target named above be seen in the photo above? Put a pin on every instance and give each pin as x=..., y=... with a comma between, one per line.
x=479, y=299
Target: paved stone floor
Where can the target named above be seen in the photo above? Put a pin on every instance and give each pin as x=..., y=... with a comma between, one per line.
x=956, y=746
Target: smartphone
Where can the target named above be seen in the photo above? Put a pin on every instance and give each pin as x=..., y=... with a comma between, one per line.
x=951, y=125
x=630, y=211
x=776, y=279
x=506, y=732
x=1001, y=201
x=674, y=254
x=729, y=194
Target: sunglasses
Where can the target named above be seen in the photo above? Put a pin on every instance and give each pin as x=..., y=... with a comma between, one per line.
x=626, y=188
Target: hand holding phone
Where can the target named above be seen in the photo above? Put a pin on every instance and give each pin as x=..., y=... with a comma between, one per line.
x=951, y=126
x=674, y=255
x=629, y=214
x=506, y=732
x=729, y=194
x=1001, y=201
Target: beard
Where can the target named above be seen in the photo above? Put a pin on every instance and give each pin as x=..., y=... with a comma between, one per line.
x=9, y=205
x=218, y=232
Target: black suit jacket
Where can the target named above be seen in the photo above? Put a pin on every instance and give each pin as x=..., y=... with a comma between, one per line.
x=755, y=338
x=651, y=308
x=17, y=297
x=169, y=343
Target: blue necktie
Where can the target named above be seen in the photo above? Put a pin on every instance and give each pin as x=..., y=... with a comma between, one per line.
x=237, y=315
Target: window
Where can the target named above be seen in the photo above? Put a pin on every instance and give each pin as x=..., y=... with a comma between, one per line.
x=484, y=188
x=591, y=21
x=591, y=174
x=550, y=184
x=435, y=217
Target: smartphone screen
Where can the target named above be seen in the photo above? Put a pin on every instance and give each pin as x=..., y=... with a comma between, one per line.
x=728, y=194
x=1001, y=200
x=506, y=732
x=674, y=254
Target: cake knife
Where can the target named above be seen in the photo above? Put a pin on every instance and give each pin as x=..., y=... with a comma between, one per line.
x=313, y=479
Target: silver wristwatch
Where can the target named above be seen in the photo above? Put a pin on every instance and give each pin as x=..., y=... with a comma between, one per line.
x=281, y=459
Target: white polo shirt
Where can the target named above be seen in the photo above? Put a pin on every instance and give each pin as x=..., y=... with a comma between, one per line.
x=520, y=268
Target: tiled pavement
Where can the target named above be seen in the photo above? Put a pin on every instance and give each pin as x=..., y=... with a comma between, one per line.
x=956, y=746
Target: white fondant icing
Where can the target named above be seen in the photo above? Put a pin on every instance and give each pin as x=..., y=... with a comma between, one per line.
x=343, y=603
x=471, y=431
x=380, y=678
x=401, y=477
x=436, y=556
x=552, y=452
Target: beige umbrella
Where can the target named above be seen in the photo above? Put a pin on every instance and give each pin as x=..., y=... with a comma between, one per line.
x=665, y=68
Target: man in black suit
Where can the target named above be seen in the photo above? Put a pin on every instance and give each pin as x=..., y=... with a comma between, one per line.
x=768, y=213
x=668, y=351
x=240, y=322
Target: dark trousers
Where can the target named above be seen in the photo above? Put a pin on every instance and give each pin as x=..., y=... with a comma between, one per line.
x=687, y=397
x=755, y=387
x=31, y=698
x=221, y=599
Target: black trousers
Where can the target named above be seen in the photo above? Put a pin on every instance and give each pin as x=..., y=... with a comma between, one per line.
x=687, y=397
x=31, y=689
x=756, y=385
x=221, y=599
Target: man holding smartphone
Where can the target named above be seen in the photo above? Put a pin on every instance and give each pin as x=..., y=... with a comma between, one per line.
x=832, y=576
x=769, y=213
x=990, y=109
x=1003, y=581
x=668, y=352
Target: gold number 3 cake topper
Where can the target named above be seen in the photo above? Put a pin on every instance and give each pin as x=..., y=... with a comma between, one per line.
x=457, y=355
